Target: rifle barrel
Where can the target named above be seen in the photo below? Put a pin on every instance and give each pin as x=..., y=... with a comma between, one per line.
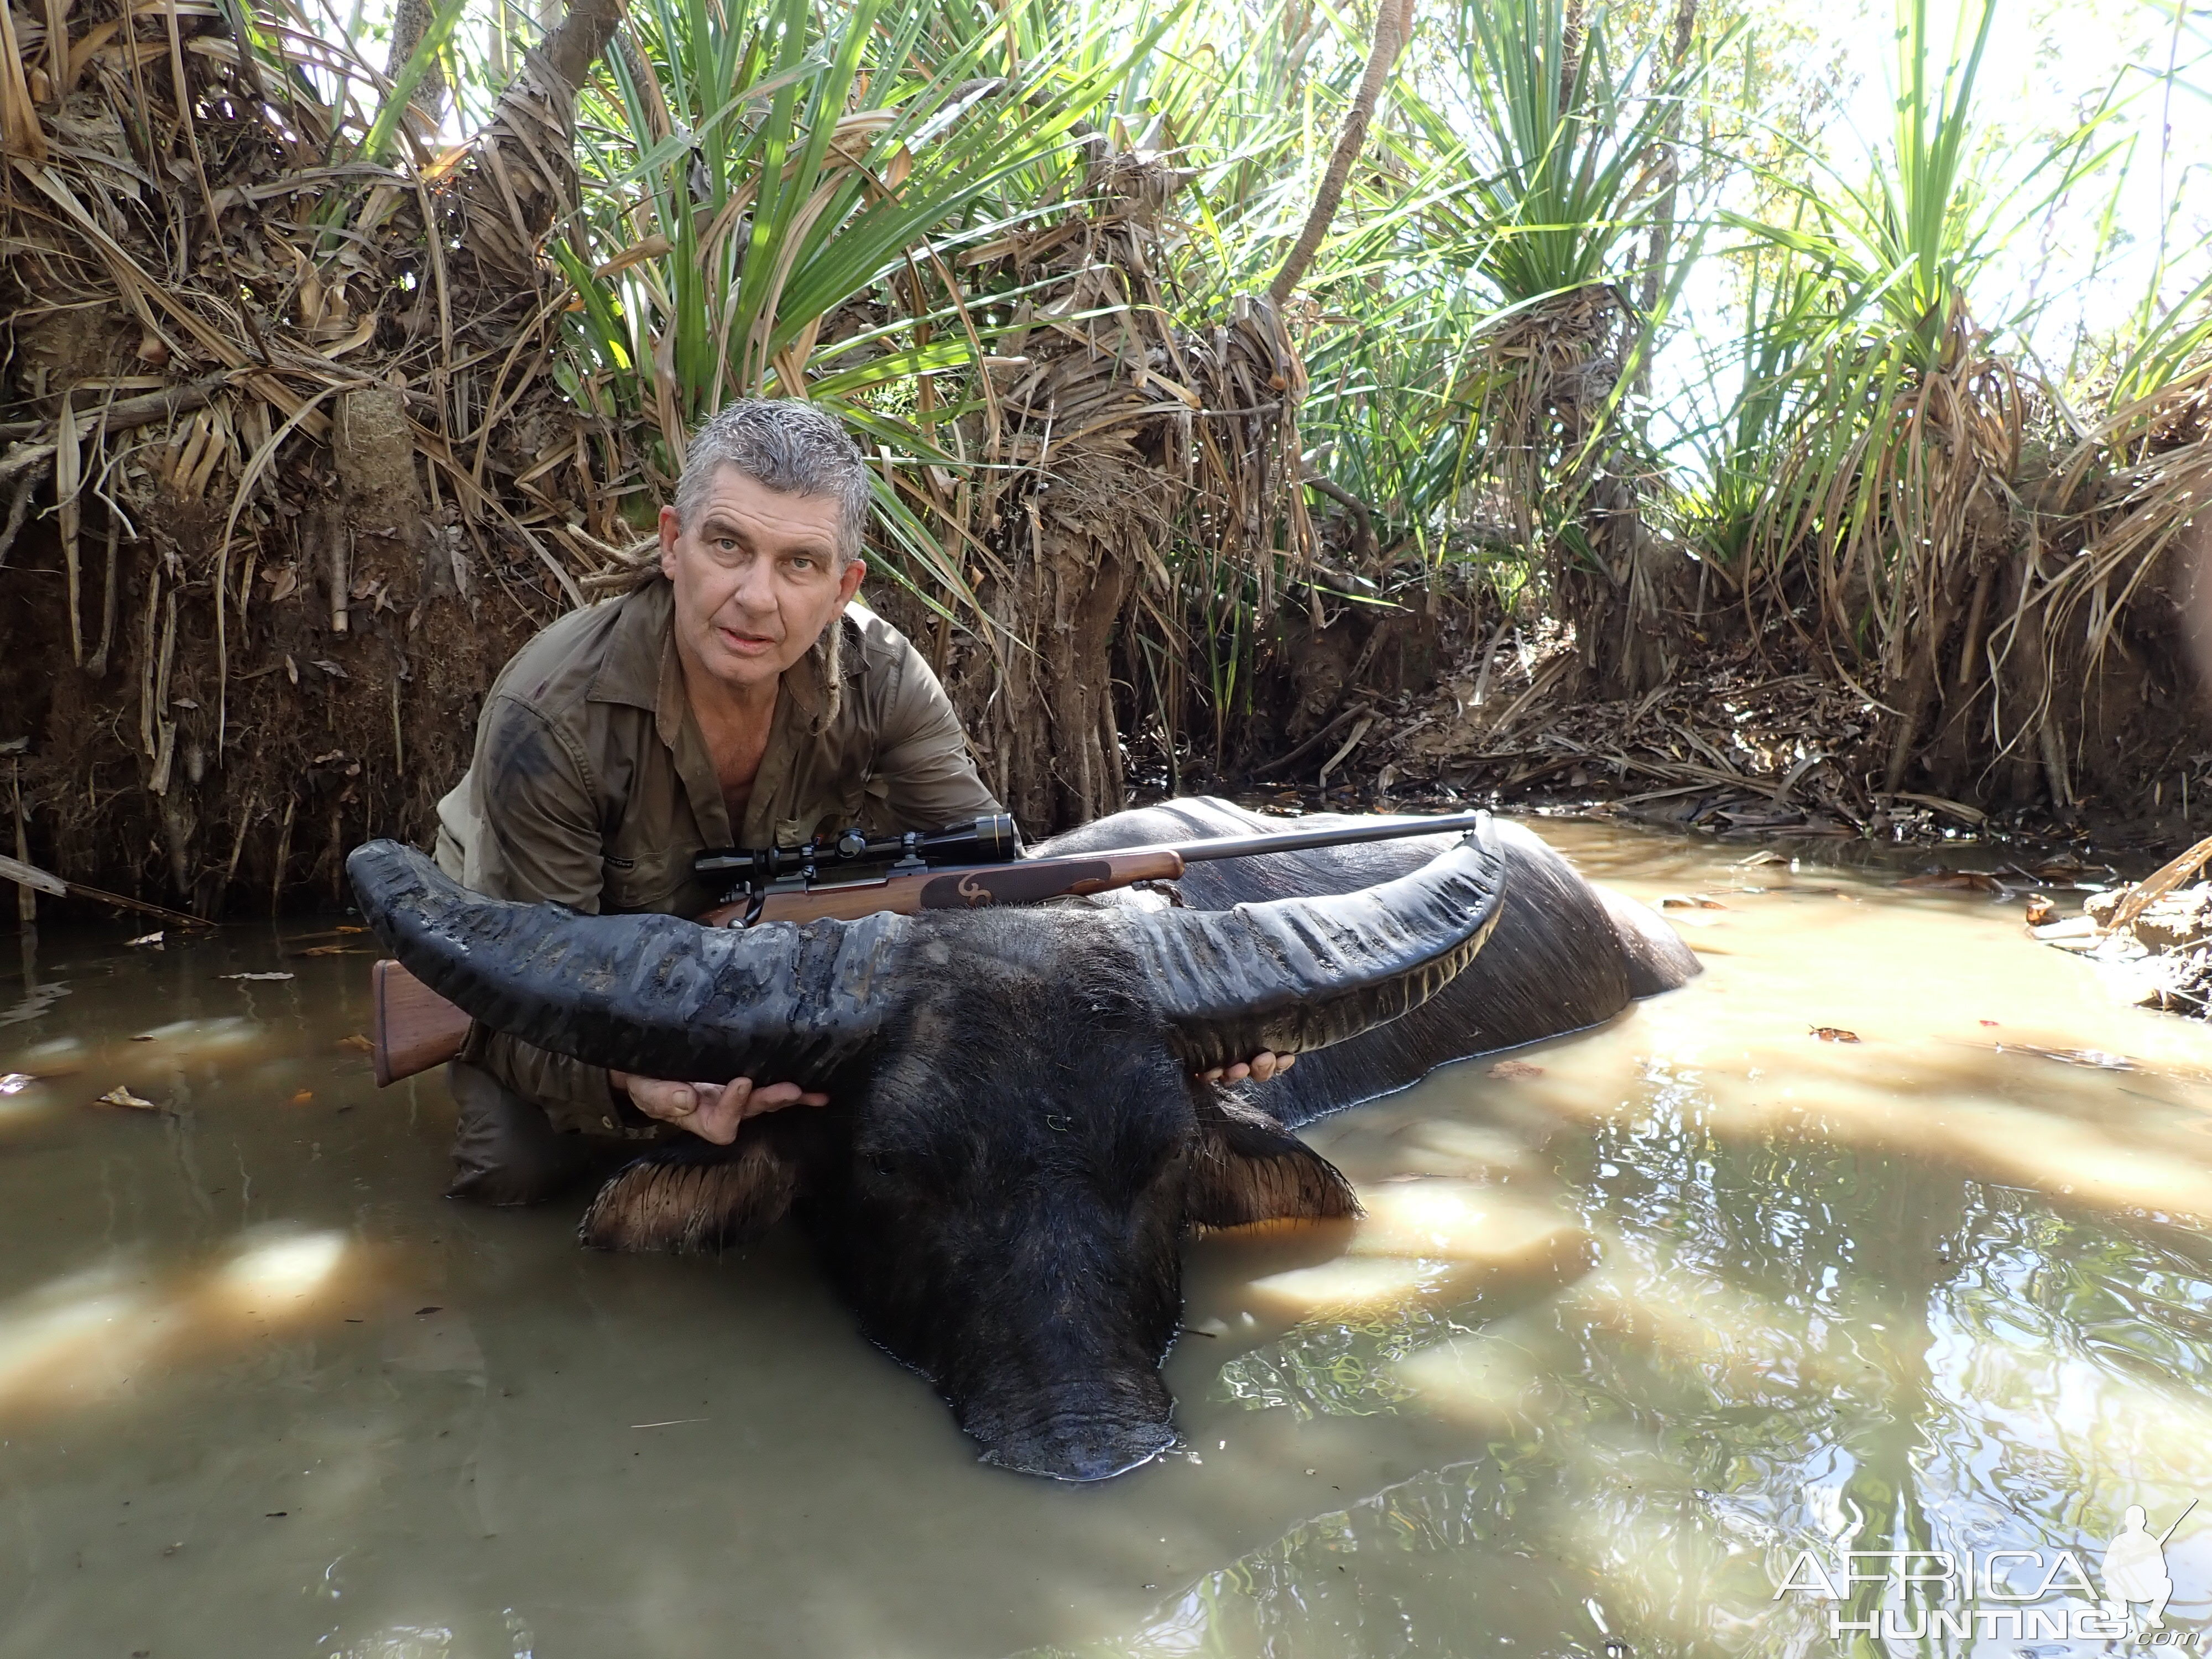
x=1300, y=841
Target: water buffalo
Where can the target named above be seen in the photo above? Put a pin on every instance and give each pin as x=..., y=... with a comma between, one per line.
x=1016, y=1146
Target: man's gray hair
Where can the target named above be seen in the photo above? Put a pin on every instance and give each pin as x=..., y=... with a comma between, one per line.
x=787, y=444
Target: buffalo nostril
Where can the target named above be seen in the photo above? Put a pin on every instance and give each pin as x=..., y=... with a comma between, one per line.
x=1078, y=1449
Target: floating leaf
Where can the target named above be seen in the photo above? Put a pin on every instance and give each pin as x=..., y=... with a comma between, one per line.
x=357, y=1043
x=1953, y=881
x=254, y=976
x=2040, y=910
x=1832, y=1034
x=154, y=938
x=119, y=1096
x=303, y=1097
x=1507, y=1069
x=1690, y=901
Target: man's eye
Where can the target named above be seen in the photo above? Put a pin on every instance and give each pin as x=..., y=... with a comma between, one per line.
x=802, y=563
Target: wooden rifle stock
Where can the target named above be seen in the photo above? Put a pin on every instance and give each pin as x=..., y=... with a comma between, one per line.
x=414, y=1027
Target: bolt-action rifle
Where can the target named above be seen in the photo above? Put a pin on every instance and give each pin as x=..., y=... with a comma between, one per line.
x=845, y=876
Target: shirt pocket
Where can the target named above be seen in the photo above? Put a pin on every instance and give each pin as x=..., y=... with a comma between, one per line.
x=647, y=880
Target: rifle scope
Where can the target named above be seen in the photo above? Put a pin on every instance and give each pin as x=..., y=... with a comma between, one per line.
x=989, y=838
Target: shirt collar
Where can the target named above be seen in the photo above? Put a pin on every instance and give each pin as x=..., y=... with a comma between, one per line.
x=641, y=652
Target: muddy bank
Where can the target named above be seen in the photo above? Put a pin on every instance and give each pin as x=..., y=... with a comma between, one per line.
x=232, y=783
x=1408, y=708
x=162, y=772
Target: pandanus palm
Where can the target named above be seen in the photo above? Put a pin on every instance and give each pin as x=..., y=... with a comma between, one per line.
x=1567, y=148
x=1895, y=495
x=779, y=193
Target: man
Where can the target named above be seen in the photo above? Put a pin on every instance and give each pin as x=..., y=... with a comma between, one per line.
x=738, y=698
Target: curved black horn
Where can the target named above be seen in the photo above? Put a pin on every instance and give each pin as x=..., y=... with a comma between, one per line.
x=1297, y=974
x=657, y=995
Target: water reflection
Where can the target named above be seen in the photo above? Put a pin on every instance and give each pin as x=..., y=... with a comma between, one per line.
x=1631, y=1324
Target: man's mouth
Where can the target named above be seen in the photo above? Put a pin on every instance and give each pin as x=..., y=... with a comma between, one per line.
x=745, y=645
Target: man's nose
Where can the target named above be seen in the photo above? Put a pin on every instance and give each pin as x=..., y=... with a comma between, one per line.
x=754, y=591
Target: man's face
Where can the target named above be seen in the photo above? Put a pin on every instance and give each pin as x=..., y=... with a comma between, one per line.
x=756, y=579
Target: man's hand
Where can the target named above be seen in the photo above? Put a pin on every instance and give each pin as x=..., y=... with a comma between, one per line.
x=711, y=1110
x=1261, y=1067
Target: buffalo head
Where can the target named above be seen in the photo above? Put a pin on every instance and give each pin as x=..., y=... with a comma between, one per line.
x=1016, y=1145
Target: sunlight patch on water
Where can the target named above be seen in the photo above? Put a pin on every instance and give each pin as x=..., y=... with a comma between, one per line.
x=1457, y=1221
x=1484, y=1377
x=1352, y=1286
x=79, y=1335
x=83, y=1337
x=277, y=1269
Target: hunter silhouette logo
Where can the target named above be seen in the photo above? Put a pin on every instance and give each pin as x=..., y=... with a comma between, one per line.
x=1989, y=1594
x=2134, y=1568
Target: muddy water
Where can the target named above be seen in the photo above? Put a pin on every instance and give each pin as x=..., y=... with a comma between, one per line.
x=1633, y=1323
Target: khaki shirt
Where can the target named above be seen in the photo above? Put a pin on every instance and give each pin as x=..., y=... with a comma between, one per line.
x=591, y=786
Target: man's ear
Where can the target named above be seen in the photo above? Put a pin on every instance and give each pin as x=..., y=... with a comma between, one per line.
x=1244, y=1168
x=849, y=578
x=671, y=527
x=690, y=1196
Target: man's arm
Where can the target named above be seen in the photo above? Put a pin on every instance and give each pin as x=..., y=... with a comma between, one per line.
x=923, y=770
x=538, y=840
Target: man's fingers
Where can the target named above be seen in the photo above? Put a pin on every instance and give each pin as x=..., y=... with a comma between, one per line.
x=666, y=1100
x=741, y=1098
x=1261, y=1067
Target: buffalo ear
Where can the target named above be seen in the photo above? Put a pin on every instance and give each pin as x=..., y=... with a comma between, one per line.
x=1244, y=1168
x=691, y=1196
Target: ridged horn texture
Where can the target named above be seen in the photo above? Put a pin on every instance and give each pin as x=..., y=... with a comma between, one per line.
x=654, y=994
x=1292, y=975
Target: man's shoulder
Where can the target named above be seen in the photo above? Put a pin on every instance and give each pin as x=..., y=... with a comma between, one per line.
x=880, y=648
x=881, y=666
x=609, y=651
